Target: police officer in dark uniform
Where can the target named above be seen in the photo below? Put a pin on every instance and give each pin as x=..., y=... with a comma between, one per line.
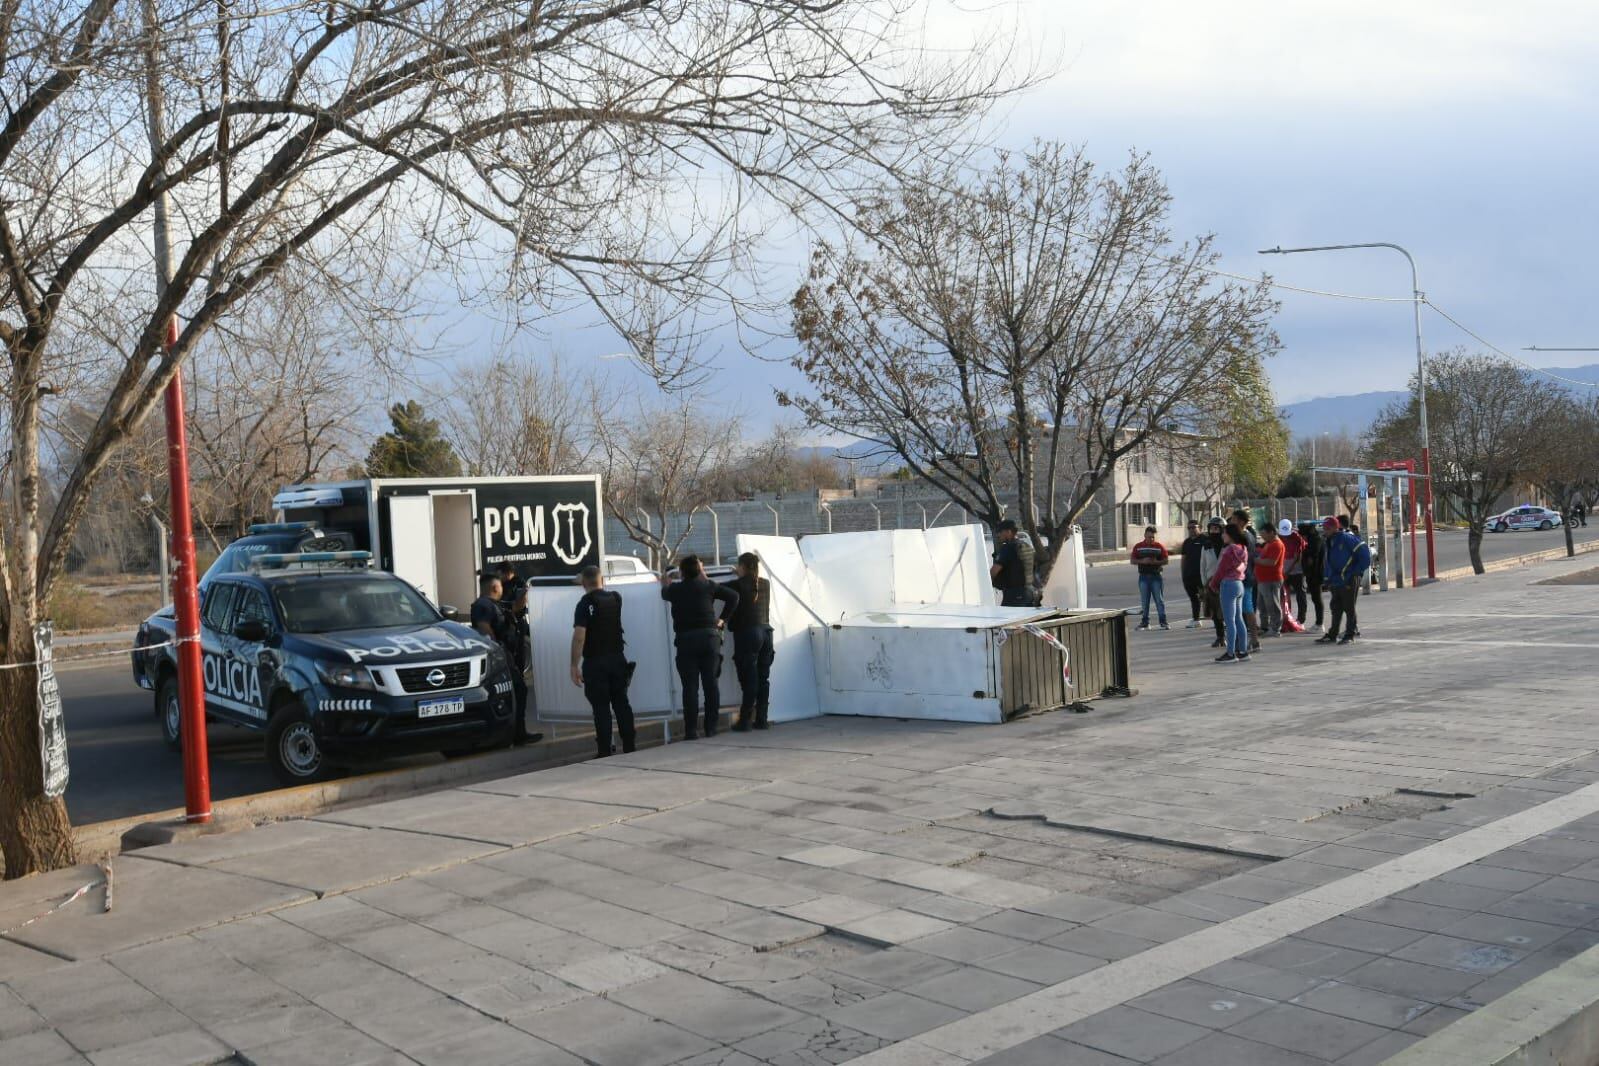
x=1012, y=572
x=753, y=650
x=699, y=639
x=508, y=626
x=599, y=667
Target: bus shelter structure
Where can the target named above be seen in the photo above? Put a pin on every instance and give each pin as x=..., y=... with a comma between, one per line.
x=1392, y=480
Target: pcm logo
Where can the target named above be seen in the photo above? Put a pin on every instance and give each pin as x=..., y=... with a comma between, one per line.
x=513, y=527
x=232, y=680
x=524, y=527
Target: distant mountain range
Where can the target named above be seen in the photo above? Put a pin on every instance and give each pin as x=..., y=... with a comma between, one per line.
x=1352, y=414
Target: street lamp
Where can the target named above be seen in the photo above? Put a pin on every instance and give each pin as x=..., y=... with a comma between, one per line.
x=1416, y=299
x=1313, y=436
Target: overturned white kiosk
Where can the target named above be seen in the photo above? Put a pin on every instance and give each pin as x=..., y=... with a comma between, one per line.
x=904, y=624
x=896, y=623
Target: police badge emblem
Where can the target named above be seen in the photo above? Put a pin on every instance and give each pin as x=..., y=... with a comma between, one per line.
x=570, y=538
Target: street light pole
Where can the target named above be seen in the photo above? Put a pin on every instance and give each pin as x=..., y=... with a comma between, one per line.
x=1417, y=298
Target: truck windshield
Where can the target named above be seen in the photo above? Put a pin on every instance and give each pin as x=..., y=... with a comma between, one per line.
x=328, y=605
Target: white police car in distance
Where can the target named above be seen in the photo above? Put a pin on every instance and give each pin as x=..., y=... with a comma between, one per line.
x=1526, y=516
x=333, y=665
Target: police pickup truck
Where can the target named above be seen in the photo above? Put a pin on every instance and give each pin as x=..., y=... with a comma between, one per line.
x=334, y=664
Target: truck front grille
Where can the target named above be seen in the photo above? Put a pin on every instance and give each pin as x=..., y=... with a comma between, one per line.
x=415, y=678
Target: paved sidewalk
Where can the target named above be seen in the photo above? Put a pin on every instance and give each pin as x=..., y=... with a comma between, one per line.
x=1317, y=857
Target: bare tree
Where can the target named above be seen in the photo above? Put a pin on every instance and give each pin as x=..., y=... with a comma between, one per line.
x=1333, y=450
x=662, y=460
x=1201, y=473
x=1565, y=466
x=779, y=464
x=624, y=152
x=270, y=404
x=1486, y=417
x=1015, y=336
x=513, y=414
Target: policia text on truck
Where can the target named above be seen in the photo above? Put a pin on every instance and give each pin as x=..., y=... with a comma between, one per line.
x=334, y=663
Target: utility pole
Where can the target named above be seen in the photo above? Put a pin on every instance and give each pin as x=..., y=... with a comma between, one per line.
x=1417, y=298
x=185, y=593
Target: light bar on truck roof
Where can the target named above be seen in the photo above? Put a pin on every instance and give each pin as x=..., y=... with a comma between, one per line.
x=296, y=496
x=283, y=559
x=281, y=527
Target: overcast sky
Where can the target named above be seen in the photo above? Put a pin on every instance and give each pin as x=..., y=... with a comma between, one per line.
x=1461, y=129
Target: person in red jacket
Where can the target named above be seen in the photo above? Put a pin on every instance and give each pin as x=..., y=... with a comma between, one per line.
x=1269, y=582
x=1150, y=556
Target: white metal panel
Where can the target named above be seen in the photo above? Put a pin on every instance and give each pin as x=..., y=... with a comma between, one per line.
x=854, y=571
x=941, y=674
x=411, y=538
x=957, y=564
x=647, y=627
x=1067, y=588
x=946, y=616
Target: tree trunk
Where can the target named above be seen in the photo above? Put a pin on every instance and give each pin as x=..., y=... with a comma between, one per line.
x=1474, y=545
x=1571, y=548
x=35, y=833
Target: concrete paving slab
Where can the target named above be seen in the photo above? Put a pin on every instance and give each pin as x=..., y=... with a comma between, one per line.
x=650, y=787
x=153, y=901
x=599, y=1031
x=479, y=816
x=208, y=850
x=344, y=863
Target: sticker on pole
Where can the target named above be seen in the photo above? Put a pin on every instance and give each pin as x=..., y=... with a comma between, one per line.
x=52, y=725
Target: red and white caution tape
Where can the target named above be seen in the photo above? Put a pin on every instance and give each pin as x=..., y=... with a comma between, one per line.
x=173, y=643
x=77, y=894
x=1053, y=641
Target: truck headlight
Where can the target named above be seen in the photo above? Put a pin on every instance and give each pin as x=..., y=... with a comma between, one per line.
x=345, y=675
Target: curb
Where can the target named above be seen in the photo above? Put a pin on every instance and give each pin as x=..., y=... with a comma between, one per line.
x=1549, y=1021
x=1516, y=562
x=98, y=840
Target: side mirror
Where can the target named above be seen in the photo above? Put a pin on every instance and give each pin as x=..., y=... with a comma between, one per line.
x=450, y=614
x=252, y=630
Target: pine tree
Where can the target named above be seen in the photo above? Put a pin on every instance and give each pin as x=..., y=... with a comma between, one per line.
x=413, y=448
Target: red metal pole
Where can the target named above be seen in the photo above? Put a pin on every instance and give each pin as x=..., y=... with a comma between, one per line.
x=186, y=601
x=1426, y=511
x=1410, y=506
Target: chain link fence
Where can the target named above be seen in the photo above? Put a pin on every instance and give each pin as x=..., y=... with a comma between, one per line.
x=712, y=531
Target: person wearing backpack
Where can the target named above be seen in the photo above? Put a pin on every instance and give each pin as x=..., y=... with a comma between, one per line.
x=1012, y=570
x=1347, y=558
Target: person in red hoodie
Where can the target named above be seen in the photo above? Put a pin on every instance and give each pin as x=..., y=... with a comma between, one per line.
x=1150, y=556
x=1269, y=582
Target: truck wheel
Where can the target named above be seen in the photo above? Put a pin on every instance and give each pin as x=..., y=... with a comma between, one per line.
x=169, y=710
x=292, y=748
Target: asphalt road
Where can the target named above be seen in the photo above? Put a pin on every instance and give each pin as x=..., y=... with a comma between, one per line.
x=121, y=768
x=120, y=765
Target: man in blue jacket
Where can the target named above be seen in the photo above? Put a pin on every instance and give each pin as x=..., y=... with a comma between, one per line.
x=1345, y=560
